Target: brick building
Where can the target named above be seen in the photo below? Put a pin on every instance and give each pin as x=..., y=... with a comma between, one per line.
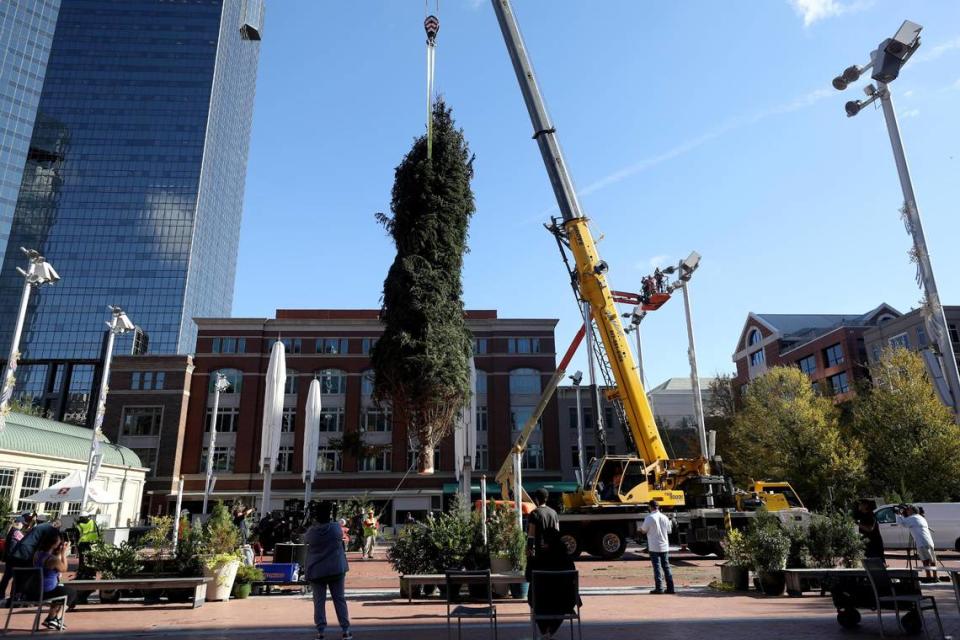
x=828, y=347
x=514, y=358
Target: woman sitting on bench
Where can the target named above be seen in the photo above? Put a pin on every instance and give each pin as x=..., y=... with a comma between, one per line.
x=51, y=557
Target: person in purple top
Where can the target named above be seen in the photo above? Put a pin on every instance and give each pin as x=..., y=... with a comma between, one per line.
x=51, y=557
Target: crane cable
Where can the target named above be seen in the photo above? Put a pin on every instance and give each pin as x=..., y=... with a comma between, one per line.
x=431, y=25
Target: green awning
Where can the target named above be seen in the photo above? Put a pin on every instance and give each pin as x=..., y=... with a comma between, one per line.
x=553, y=486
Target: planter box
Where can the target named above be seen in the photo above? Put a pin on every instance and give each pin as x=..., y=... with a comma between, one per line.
x=739, y=577
x=220, y=581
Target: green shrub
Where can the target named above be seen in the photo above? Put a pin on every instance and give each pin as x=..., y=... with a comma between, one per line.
x=247, y=574
x=408, y=555
x=834, y=539
x=190, y=548
x=767, y=544
x=222, y=537
x=114, y=562
x=735, y=549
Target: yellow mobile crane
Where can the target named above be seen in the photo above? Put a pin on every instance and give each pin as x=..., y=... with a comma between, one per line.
x=616, y=488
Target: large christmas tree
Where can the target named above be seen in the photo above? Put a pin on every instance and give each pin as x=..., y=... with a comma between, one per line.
x=422, y=359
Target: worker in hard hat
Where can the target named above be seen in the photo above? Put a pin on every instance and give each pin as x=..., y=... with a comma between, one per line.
x=89, y=534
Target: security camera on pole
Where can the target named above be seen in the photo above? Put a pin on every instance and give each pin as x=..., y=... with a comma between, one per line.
x=39, y=272
x=886, y=62
x=118, y=324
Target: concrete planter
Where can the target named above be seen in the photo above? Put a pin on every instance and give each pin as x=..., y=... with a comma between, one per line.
x=220, y=580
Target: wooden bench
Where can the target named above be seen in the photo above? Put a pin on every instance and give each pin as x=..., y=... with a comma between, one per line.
x=198, y=585
x=439, y=579
x=802, y=580
x=263, y=587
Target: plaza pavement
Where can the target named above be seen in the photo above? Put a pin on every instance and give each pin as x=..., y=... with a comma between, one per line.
x=616, y=606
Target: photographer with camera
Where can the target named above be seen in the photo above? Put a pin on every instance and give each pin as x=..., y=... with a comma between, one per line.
x=326, y=567
x=909, y=516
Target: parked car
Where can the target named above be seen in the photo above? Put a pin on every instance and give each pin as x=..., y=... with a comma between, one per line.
x=943, y=518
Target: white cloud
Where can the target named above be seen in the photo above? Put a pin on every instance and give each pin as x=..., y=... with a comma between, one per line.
x=935, y=52
x=476, y=4
x=813, y=10
x=910, y=113
x=908, y=93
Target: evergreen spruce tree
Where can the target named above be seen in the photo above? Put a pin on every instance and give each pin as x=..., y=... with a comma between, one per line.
x=421, y=361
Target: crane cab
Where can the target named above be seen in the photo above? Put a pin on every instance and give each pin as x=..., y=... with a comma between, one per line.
x=619, y=480
x=773, y=496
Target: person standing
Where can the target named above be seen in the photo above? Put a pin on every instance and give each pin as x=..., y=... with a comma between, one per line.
x=909, y=516
x=327, y=568
x=346, y=533
x=542, y=518
x=869, y=530
x=13, y=538
x=88, y=535
x=371, y=526
x=240, y=515
x=657, y=528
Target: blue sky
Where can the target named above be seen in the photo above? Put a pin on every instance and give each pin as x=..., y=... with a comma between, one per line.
x=687, y=125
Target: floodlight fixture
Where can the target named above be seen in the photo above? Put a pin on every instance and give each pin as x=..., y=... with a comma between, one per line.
x=577, y=378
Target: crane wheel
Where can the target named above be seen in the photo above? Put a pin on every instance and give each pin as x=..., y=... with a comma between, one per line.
x=572, y=543
x=848, y=618
x=610, y=544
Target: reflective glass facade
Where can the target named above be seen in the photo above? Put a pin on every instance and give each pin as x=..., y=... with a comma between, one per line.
x=134, y=184
x=26, y=31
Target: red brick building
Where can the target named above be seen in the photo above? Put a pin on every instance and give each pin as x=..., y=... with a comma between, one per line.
x=514, y=358
x=827, y=347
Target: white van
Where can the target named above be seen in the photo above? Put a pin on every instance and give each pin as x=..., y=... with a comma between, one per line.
x=943, y=518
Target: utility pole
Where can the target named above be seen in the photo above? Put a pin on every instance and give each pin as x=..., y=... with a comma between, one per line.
x=576, y=379
x=598, y=433
x=220, y=384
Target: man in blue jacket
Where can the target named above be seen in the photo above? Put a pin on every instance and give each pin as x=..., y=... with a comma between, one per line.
x=327, y=568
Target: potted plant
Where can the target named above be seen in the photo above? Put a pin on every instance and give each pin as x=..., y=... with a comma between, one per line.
x=736, y=570
x=408, y=556
x=222, y=545
x=834, y=540
x=113, y=563
x=500, y=526
x=517, y=553
x=246, y=576
x=769, y=547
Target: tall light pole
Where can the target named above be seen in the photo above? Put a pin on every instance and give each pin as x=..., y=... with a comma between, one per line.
x=576, y=379
x=598, y=433
x=684, y=272
x=118, y=324
x=636, y=317
x=886, y=61
x=39, y=272
x=220, y=384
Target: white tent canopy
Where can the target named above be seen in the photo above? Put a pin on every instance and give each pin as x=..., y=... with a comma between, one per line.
x=70, y=489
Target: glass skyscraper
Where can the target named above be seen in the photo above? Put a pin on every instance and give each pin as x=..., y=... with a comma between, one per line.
x=26, y=31
x=133, y=187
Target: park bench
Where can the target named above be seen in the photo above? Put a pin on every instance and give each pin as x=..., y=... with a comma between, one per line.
x=198, y=585
x=440, y=579
x=264, y=587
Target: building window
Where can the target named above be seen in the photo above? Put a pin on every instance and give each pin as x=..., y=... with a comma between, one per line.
x=53, y=508
x=329, y=461
x=608, y=417
x=481, y=382
x=288, y=422
x=376, y=419
x=223, y=458
x=148, y=458
x=833, y=355
x=479, y=346
x=954, y=334
x=290, y=385
x=367, y=382
x=482, y=418
x=6, y=482
x=808, y=365
x=147, y=380
x=331, y=420
x=142, y=421
x=590, y=452
x=367, y=345
x=533, y=457
x=757, y=358
x=525, y=382
x=754, y=337
x=376, y=461
x=482, y=463
x=285, y=460
x=227, y=418
x=332, y=346
x=234, y=379
x=587, y=418
x=901, y=341
x=839, y=383
x=414, y=450
x=523, y=345
x=31, y=482
x=921, y=337
x=229, y=345
x=332, y=382
x=520, y=415
x=290, y=345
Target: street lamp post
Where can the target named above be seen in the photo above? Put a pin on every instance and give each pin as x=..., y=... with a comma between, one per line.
x=220, y=384
x=118, y=324
x=576, y=379
x=39, y=272
x=685, y=271
x=599, y=435
x=886, y=62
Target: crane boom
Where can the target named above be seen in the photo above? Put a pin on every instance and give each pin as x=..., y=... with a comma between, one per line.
x=590, y=269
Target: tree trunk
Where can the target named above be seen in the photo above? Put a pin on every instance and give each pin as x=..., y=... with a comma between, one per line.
x=425, y=461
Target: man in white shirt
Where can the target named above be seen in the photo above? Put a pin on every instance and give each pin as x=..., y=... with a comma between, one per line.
x=657, y=527
x=910, y=518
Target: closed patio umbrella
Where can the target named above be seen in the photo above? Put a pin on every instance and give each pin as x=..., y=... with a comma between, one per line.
x=311, y=439
x=272, y=418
